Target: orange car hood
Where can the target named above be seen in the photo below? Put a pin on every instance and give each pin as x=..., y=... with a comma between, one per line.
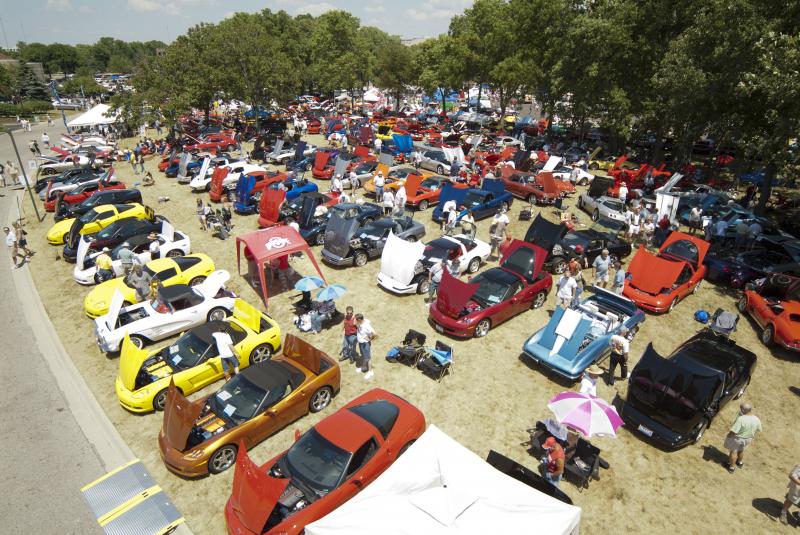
x=254, y=493
x=548, y=183
x=412, y=185
x=303, y=353
x=180, y=414
x=453, y=294
x=651, y=273
x=217, y=177
x=270, y=204
x=321, y=160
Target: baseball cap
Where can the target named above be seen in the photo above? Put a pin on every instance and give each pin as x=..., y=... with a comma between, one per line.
x=549, y=443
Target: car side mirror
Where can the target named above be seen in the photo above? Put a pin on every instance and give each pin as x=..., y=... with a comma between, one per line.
x=297, y=435
x=272, y=412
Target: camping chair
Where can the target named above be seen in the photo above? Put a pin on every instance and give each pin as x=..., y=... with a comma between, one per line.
x=584, y=464
x=410, y=350
x=723, y=323
x=437, y=362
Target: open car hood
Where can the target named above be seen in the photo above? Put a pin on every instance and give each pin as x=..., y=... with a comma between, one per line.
x=651, y=273
x=303, y=353
x=412, y=184
x=453, y=295
x=270, y=203
x=548, y=184
x=247, y=314
x=321, y=159
x=131, y=359
x=523, y=258
x=450, y=192
x=254, y=493
x=399, y=257
x=552, y=163
x=217, y=178
x=213, y=283
x=544, y=233
x=599, y=186
x=180, y=414
x=338, y=232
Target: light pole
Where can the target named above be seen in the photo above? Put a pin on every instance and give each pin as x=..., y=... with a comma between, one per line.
x=25, y=176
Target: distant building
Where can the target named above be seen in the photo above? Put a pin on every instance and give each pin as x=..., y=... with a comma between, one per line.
x=38, y=70
x=414, y=40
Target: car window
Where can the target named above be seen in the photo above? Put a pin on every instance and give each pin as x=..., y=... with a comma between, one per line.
x=124, y=207
x=185, y=262
x=380, y=413
x=166, y=274
x=361, y=456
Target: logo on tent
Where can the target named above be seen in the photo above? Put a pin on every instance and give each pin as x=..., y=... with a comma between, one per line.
x=277, y=242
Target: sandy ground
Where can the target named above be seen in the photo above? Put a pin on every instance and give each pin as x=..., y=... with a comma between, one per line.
x=487, y=403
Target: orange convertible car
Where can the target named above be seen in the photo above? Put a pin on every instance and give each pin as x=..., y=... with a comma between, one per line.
x=774, y=303
x=202, y=436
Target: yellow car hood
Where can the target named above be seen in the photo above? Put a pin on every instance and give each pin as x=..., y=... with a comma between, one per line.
x=99, y=299
x=131, y=359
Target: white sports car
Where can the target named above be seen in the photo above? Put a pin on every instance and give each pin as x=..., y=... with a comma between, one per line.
x=177, y=308
x=405, y=266
x=202, y=181
x=287, y=151
x=563, y=172
x=171, y=244
x=602, y=206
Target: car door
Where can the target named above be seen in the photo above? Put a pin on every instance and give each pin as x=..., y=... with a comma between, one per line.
x=365, y=465
x=520, y=298
x=208, y=370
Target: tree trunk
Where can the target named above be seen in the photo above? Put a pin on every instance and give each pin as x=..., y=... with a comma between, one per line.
x=478, y=103
x=208, y=110
x=444, y=101
x=766, y=187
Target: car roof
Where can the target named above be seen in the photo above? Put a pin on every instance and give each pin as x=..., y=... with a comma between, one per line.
x=174, y=292
x=346, y=430
x=270, y=374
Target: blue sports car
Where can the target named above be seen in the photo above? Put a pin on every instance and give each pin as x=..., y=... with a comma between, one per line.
x=576, y=338
x=484, y=202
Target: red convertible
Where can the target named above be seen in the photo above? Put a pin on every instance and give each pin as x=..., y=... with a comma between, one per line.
x=466, y=309
x=216, y=142
x=774, y=303
x=657, y=282
x=329, y=464
x=83, y=192
x=539, y=189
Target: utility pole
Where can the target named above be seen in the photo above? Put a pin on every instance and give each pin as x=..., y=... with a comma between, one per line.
x=25, y=177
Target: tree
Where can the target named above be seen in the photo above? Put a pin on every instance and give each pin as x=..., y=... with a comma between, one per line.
x=394, y=68
x=78, y=85
x=28, y=87
x=337, y=52
x=437, y=66
x=7, y=83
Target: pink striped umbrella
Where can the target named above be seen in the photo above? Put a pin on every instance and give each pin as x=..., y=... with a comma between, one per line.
x=585, y=413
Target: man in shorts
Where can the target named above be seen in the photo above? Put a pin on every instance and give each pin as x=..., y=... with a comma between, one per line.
x=792, y=495
x=741, y=435
x=600, y=266
x=227, y=353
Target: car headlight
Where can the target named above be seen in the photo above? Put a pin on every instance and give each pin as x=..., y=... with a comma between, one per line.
x=98, y=304
x=194, y=454
x=468, y=320
x=558, y=250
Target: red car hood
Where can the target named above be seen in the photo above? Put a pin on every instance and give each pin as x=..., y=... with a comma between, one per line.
x=269, y=206
x=651, y=273
x=321, y=160
x=453, y=295
x=412, y=184
x=180, y=414
x=254, y=493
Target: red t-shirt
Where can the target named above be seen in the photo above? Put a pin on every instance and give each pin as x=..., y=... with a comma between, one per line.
x=556, y=453
x=350, y=326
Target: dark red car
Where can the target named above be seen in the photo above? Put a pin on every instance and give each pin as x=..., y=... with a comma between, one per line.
x=536, y=189
x=465, y=309
x=329, y=464
x=83, y=192
x=213, y=142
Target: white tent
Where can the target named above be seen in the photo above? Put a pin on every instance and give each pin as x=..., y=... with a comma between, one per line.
x=93, y=117
x=440, y=487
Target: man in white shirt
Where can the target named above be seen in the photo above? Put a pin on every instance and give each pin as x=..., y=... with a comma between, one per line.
x=354, y=181
x=11, y=243
x=226, y=351
x=695, y=217
x=566, y=290
x=379, y=182
x=400, y=199
x=336, y=184
x=719, y=231
x=447, y=207
x=619, y=354
x=378, y=145
x=623, y=192
x=155, y=245
x=434, y=279
x=589, y=380
x=364, y=336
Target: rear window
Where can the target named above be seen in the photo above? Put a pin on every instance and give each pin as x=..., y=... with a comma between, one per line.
x=381, y=414
x=185, y=262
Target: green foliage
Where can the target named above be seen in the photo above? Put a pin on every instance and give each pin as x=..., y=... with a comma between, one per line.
x=107, y=55
x=73, y=86
x=25, y=109
x=7, y=77
x=28, y=87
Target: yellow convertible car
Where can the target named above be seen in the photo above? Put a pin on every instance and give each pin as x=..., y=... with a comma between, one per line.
x=192, y=362
x=190, y=269
x=96, y=219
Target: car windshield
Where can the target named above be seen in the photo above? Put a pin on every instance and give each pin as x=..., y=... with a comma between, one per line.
x=572, y=239
x=613, y=204
x=431, y=183
x=491, y=291
x=89, y=216
x=316, y=462
x=238, y=400
x=363, y=168
x=473, y=199
x=190, y=350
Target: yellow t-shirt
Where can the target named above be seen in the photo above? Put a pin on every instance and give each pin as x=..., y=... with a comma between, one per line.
x=103, y=262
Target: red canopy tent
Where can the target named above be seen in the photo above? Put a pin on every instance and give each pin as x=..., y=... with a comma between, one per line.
x=265, y=245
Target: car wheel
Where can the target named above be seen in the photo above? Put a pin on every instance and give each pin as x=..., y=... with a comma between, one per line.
x=696, y=288
x=538, y=300
x=175, y=253
x=321, y=399
x=596, y=215
x=672, y=304
x=260, y=353
x=768, y=335
x=320, y=239
x=222, y=459
x=138, y=341
x=160, y=400
x=580, y=203
x=439, y=170
x=531, y=199
x=482, y=328
x=742, y=304
x=700, y=430
x=583, y=182
x=217, y=314
x=405, y=447
x=307, y=167
x=230, y=148
x=197, y=280
x=742, y=390
x=559, y=265
x=423, y=286
x=411, y=239
x=423, y=205
x=594, y=166
x=474, y=265
x=360, y=259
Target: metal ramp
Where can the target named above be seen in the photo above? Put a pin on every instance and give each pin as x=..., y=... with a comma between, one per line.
x=127, y=501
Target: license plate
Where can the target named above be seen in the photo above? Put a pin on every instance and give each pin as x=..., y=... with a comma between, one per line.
x=439, y=328
x=645, y=430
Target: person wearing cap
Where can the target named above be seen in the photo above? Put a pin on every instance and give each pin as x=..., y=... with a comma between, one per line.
x=336, y=184
x=379, y=182
x=589, y=380
x=154, y=246
x=600, y=268
x=553, y=461
x=619, y=355
x=126, y=257
x=103, y=264
x=741, y=435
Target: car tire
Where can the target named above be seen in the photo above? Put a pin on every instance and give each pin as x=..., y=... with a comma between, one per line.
x=411, y=239
x=175, y=253
x=768, y=335
x=538, y=300
x=217, y=314
x=138, y=341
x=320, y=238
x=559, y=265
x=583, y=182
x=160, y=400
x=504, y=207
x=423, y=286
x=320, y=399
x=580, y=203
x=742, y=390
x=307, y=167
x=230, y=148
x=439, y=170
x=741, y=305
x=700, y=430
x=261, y=353
x=531, y=199
x=474, y=265
x=360, y=259
x=222, y=459
x=594, y=166
x=482, y=328
x=595, y=215
x=197, y=280
x=423, y=205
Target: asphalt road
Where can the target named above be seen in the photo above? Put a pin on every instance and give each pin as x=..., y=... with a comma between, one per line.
x=46, y=456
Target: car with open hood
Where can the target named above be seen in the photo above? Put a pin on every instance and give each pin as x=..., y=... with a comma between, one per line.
x=576, y=338
x=293, y=209
x=202, y=436
x=94, y=220
x=184, y=270
x=405, y=267
x=45, y=181
x=249, y=190
x=562, y=244
x=282, y=151
x=595, y=202
x=466, y=309
x=394, y=180
x=202, y=182
x=671, y=401
x=325, y=467
x=110, y=236
x=314, y=224
x=656, y=282
x=774, y=304
x=770, y=255
x=348, y=245
x=171, y=244
x=422, y=192
x=175, y=309
x=487, y=201
x=192, y=361
x=99, y=198
x=536, y=189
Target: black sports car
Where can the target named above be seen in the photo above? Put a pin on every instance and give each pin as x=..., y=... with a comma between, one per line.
x=772, y=254
x=42, y=183
x=113, y=235
x=673, y=400
x=561, y=243
x=113, y=196
x=313, y=228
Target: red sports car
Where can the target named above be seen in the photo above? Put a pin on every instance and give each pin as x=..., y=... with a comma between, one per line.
x=466, y=309
x=324, y=163
x=774, y=303
x=166, y=161
x=314, y=126
x=422, y=192
x=657, y=282
x=325, y=467
x=83, y=192
x=216, y=142
x=535, y=189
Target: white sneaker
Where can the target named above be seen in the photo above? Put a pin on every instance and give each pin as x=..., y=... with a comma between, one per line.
x=369, y=375
x=358, y=370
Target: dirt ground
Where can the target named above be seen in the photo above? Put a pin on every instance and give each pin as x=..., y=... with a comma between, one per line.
x=489, y=401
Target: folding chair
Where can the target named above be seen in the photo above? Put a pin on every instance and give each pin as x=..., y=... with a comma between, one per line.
x=410, y=350
x=437, y=362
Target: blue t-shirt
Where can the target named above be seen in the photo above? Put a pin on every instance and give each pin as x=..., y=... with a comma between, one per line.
x=619, y=278
x=601, y=265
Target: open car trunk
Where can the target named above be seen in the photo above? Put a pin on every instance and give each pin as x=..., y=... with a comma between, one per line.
x=544, y=233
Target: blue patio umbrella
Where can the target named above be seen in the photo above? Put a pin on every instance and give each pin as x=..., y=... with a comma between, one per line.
x=334, y=291
x=306, y=284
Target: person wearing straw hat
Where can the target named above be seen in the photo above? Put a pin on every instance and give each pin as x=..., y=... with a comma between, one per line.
x=619, y=355
x=154, y=246
x=553, y=461
x=589, y=380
